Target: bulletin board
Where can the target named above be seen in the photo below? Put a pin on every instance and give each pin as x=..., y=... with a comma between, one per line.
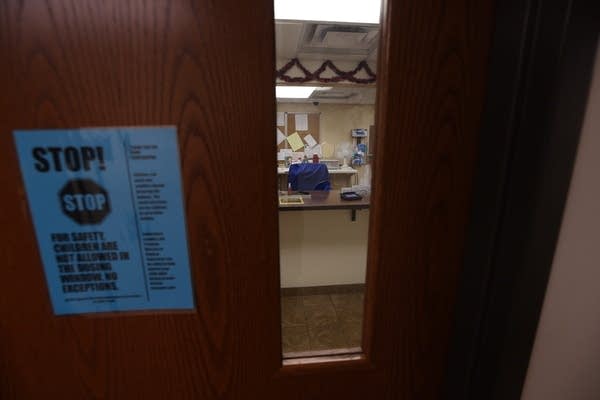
x=313, y=127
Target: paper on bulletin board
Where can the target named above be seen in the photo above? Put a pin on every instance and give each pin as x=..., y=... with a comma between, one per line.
x=295, y=141
x=280, y=119
x=301, y=122
x=310, y=141
x=280, y=136
x=286, y=153
x=327, y=149
x=314, y=150
x=107, y=209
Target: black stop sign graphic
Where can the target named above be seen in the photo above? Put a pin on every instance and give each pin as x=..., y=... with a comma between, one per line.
x=84, y=201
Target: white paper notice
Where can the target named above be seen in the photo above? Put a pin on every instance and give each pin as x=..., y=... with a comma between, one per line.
x=314, y=150
x=286, y=153
x=327, y=149
x=280, y=136
x=301, y=122
x=310, y=141
x=280, y=119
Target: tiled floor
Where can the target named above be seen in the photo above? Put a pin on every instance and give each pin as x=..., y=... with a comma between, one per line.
x=321, y=321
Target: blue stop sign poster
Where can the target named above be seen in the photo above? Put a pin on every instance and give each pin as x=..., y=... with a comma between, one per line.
x=107, y=209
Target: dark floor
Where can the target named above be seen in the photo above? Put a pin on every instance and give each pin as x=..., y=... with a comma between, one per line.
x=321, y=321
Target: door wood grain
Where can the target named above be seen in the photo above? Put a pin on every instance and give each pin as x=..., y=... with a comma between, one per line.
x=208, y=68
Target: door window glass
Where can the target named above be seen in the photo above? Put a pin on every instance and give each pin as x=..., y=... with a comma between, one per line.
x=325, y=135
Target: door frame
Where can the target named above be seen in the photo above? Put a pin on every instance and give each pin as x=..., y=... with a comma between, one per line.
x=541, y=62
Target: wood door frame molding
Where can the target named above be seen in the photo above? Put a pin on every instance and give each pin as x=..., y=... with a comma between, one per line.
x=541, y=62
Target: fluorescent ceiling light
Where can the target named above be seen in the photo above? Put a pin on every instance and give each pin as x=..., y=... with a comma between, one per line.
x=296, y=92
x=353, y=11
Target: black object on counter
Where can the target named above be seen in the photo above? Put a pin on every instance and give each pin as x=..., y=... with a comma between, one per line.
x=350, y=196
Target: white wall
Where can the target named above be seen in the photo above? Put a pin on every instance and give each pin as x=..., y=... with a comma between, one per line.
x=565, y=362
x=322, y=247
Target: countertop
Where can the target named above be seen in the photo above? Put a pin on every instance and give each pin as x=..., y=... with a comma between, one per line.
x=326, y=200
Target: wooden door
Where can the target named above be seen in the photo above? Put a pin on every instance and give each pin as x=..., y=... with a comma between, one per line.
x=208, y=68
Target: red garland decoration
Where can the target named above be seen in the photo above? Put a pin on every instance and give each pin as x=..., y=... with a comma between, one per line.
x=316, y=76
